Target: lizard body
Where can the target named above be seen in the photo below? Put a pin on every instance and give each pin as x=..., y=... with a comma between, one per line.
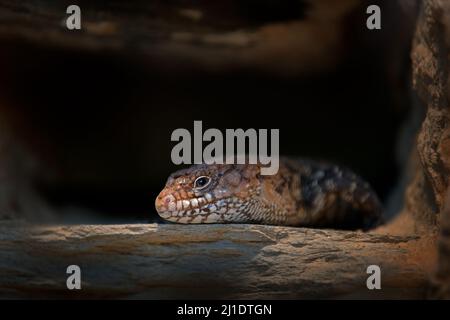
x=303, y=193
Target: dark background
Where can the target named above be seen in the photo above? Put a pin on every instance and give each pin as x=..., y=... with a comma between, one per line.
x=99, y=121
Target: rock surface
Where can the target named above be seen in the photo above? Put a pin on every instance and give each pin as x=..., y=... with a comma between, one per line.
x=427, y=196
x=207, y=261
x=258, y=34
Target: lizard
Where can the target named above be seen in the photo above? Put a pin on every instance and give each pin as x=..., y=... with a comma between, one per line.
x=303, y=193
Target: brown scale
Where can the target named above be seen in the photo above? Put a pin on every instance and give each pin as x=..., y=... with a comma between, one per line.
x=302, y=193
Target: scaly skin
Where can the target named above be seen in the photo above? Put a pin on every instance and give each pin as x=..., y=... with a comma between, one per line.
x=302, y=193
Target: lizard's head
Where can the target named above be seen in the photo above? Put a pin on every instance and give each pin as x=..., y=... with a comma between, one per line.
x=208, y=193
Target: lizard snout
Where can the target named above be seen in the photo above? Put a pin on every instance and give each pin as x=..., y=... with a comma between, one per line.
x=164, y=204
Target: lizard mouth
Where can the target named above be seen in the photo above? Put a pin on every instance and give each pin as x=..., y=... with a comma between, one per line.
x=203, y=209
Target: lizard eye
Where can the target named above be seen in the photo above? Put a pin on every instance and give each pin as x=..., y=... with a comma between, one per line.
x=201, y=182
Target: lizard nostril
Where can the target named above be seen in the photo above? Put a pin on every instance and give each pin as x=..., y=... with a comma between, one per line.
x=168, y=201
x=164, y=204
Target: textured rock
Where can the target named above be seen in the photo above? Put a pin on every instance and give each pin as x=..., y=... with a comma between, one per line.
x=207, y=261
x=430, y=69
x=227, y=34
x=426, y=196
